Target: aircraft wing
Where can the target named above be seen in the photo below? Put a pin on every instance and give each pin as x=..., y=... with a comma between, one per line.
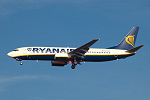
x=80, y=51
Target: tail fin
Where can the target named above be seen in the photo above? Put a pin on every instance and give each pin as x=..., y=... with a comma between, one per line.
x=129, y=41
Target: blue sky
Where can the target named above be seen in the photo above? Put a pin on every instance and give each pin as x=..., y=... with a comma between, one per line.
x=73, y=23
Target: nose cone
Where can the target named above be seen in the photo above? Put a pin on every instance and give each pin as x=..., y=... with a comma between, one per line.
x=10, y=54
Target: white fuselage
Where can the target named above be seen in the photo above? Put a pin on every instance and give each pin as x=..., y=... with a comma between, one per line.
x=50, y=53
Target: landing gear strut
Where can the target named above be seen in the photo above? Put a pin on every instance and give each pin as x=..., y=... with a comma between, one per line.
x=74, y=63
x=21, y=62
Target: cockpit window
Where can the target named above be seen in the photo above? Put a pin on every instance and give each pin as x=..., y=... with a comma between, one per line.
x=16, y=50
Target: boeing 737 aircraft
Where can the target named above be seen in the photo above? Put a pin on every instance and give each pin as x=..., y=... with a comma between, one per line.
x=60, y=56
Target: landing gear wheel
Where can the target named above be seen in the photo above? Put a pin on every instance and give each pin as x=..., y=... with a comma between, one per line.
x=21, y=63
x=73, y=66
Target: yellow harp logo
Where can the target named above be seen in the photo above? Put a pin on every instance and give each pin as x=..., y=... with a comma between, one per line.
x=130, y=40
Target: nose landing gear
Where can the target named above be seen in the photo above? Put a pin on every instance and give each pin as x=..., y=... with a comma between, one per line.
x=21, y=62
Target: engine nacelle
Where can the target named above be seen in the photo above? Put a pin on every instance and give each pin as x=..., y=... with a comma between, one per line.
x=58, y=63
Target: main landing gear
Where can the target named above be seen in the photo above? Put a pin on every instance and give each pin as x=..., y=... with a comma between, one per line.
x=74, y=63
x=73, y=66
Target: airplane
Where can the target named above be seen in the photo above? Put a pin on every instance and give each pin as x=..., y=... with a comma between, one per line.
x=61, y=56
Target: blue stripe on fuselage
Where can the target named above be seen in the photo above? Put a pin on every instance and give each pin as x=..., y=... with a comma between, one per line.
x=90, y=58
x=100, y=58
x=37, y=57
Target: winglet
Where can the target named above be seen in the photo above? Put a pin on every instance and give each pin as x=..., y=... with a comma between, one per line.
x=134, y=49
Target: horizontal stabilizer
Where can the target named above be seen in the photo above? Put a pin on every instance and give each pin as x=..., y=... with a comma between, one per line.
x=134, y=49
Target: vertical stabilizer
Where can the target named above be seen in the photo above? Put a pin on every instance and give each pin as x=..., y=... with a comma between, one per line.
x=129, y=40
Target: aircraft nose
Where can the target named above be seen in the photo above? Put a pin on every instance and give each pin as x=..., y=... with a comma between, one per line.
x=10, y=54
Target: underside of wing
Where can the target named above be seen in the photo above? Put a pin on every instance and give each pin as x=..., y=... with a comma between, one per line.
x=80, y=51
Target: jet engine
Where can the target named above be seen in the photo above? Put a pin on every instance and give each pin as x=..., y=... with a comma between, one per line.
x=58, y=63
